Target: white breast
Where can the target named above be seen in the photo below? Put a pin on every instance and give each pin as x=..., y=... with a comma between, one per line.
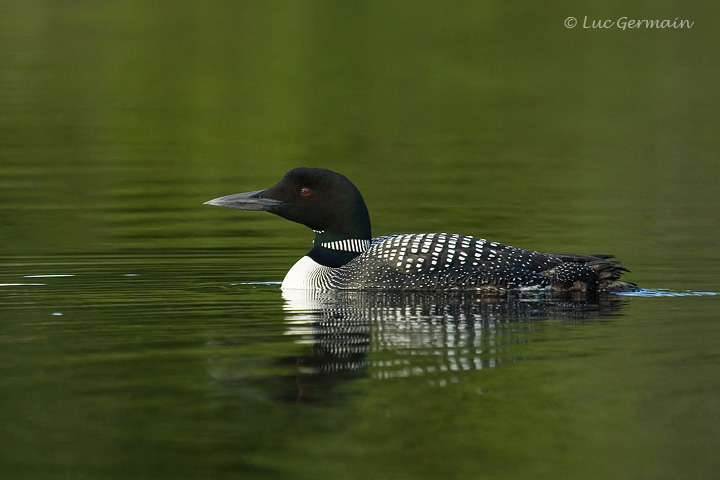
x=307, y=274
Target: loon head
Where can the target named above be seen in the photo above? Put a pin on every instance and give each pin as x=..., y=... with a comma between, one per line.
x=318, y=198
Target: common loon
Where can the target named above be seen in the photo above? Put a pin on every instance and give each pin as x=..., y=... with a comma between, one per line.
x=345, y=256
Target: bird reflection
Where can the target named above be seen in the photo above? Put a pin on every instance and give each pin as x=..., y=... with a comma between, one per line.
x=384, y=335
x=342, y=336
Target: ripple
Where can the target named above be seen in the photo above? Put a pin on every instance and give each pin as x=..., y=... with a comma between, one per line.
x=659, y=292
x=50, y=275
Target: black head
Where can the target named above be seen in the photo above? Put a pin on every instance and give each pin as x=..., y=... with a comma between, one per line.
x=316, y=197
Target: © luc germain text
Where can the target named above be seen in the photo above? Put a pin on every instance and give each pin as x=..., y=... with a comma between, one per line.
x=625, y=23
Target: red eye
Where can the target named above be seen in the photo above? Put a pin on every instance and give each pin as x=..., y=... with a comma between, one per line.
x=305, y=191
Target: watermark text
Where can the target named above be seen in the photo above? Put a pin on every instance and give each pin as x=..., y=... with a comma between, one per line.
x=625, y=23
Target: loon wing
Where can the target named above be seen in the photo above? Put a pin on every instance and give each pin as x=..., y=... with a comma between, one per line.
x=438, y=261
x=456, y=262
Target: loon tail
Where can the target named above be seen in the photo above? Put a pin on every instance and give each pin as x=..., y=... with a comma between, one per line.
x=608, y=271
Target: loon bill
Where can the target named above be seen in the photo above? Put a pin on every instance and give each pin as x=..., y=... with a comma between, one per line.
x=346, y=257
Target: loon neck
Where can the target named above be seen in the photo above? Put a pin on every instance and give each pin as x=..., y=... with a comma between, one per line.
x=333, y=250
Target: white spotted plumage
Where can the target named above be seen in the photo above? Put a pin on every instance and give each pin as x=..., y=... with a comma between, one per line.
x=435, y=261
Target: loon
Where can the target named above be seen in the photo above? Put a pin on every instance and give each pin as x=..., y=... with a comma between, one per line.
x=344, y=256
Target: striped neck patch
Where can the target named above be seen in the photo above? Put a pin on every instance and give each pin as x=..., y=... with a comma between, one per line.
x=349, y=245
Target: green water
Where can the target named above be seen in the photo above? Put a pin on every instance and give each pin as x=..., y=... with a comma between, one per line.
x=144, y=335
